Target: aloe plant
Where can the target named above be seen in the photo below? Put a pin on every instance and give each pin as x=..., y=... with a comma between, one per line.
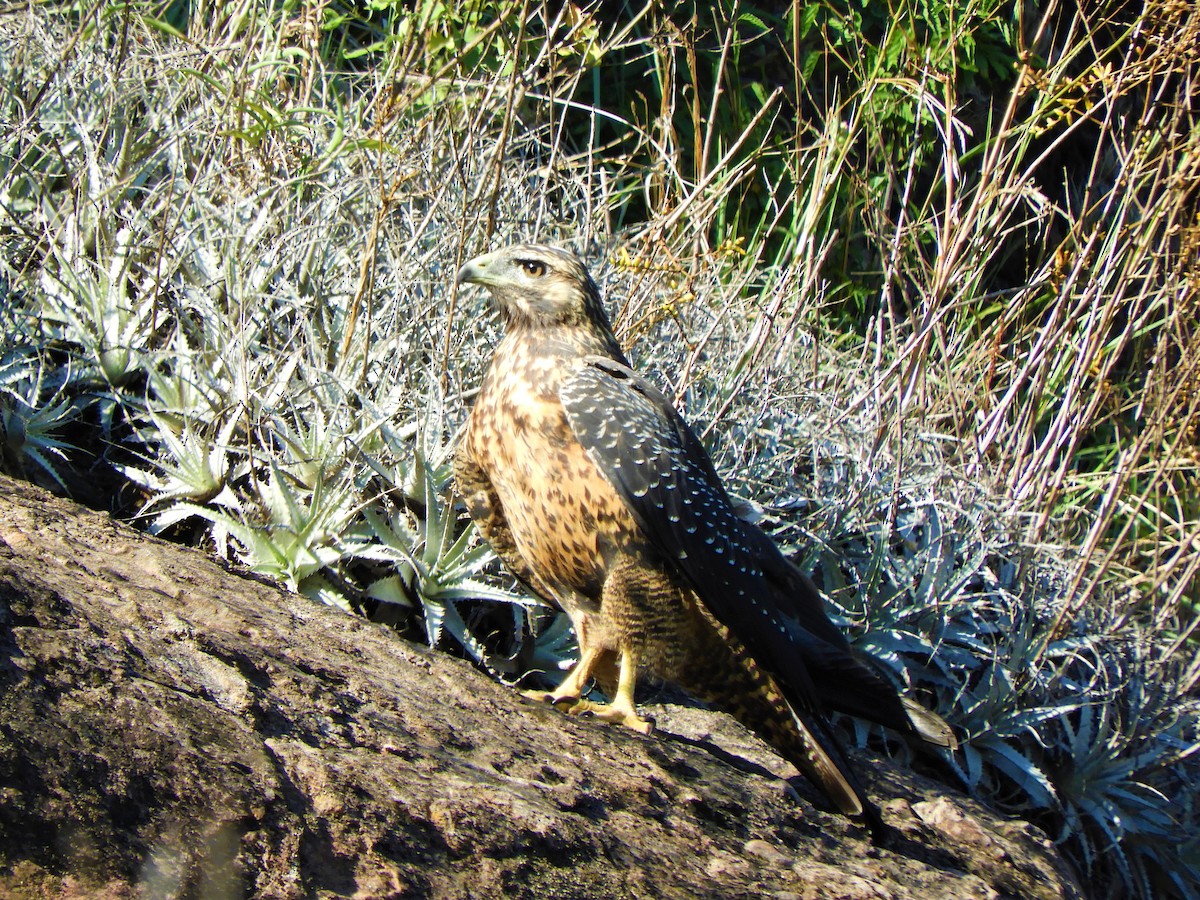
x=35, y=408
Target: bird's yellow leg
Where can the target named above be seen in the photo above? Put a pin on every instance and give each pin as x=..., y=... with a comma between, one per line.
x=622, y=709
x=572, y=686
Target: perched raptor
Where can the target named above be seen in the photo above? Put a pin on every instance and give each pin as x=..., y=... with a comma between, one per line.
x=597, y=495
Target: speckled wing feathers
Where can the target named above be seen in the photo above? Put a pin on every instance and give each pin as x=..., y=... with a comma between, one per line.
x=661, y=470
x=658, y=465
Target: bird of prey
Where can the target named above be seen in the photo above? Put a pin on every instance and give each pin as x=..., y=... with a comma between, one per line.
x=597, y=495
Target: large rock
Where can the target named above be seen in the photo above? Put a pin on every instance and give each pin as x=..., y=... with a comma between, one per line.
x=168, y=728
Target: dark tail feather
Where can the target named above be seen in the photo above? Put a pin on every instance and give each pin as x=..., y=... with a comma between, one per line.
x=849, y=683
x=728, y=677
x=824, y=767
x=844, y=680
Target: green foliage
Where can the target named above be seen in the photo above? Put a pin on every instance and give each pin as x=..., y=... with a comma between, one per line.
x=972, y=42
x=191, y=466
x=88, y=303
x=430, y=557
x=35, y=409
x=427, y=35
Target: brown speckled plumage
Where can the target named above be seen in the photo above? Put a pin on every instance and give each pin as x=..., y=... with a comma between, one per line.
x=599, y=498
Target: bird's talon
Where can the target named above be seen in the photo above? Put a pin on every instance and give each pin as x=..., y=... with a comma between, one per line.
x=610, y=713
x=642, y=726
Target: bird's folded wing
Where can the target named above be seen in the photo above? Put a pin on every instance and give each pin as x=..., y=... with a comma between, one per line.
x=667, y=480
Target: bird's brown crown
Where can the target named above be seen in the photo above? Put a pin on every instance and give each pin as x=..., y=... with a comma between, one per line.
x=538, y=286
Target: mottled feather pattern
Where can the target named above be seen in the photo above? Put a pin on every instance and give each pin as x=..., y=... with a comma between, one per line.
x=598, y=496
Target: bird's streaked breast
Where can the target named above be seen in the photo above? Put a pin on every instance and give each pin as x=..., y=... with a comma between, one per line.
x=565, y=517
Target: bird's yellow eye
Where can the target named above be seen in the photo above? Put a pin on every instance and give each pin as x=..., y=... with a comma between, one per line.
x=533, y=267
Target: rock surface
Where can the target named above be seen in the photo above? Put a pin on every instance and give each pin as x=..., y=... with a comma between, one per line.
x=168, y=728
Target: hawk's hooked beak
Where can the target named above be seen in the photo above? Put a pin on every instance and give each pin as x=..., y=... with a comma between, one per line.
x=476, y=271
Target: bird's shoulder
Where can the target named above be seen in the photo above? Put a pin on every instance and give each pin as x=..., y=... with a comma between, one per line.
x=634, y=432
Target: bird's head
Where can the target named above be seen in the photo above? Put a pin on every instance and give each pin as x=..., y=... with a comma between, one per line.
x=538, y=286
